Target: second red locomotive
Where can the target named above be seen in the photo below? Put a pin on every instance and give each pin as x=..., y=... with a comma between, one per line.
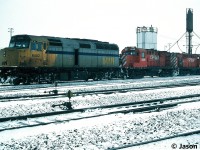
x=150, y=62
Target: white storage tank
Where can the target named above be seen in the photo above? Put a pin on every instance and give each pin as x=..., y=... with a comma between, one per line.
x=147, y=37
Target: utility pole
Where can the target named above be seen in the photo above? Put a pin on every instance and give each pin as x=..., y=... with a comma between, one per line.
x=11, y=30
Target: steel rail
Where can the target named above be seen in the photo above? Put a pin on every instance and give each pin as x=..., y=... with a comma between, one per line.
x=111, y=91
x=157, y=140
x=157, y=107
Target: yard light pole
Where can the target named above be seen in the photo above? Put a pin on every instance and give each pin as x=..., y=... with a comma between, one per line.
x=11, y=30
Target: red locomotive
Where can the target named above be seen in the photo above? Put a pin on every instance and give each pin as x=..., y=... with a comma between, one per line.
x=150, y=62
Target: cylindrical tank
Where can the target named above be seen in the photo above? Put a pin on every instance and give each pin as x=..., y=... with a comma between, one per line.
x=147, y=37
x=189, y=20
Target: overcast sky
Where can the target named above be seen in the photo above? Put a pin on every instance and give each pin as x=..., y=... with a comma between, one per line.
x=114, y=21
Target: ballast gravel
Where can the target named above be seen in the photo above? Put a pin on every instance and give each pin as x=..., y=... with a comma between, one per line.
x=112, y=131
x=41, y=106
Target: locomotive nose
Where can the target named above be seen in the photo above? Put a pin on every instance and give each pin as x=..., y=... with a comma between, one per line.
x=2, y=57
x=8, y=57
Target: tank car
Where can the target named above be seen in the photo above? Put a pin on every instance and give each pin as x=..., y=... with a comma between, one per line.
x=32, y=58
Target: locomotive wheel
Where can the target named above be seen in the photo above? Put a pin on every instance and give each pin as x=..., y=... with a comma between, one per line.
x=86, y=79
x=26, y=82
x=16, y=81
x=124, y=77
x=95, y=78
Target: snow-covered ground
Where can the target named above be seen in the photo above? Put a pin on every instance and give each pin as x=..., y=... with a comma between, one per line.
x=45, y=105
x=108, y=131
x=191, y=141
x=96, y=85
x=105, y=132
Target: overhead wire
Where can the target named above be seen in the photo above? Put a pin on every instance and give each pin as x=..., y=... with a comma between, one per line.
x=198, y=44
x=177, y=43
x=197, y=48
x=196, y=34
x=179, y=47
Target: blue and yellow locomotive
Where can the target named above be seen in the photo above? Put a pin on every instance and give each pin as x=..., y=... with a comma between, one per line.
x=32, y=58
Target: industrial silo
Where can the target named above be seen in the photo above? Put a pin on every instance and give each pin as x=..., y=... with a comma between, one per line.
x=147, y=37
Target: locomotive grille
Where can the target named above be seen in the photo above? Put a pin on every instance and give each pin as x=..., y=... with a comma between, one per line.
x=123, y=58
x=173, y=60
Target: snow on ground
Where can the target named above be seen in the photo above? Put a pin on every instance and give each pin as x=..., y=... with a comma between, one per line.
x=39, y=106
x=105, y=132
x=191, y=141
x=97, y=85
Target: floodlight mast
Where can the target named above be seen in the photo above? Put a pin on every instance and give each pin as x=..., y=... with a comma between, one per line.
x=11, y=30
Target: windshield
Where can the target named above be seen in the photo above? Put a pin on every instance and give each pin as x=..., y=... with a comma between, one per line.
x=130, y=53
x=19, y=41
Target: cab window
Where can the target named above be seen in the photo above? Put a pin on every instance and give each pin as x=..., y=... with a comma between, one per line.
x=142, y=55
x=19, y=42
x=33, y=46
x=36, y=46
x=39, y=46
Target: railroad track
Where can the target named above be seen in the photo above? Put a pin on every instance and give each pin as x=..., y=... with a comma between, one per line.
x=17, y=122
x=157, y=140
x=45, y=86
x=55, y=93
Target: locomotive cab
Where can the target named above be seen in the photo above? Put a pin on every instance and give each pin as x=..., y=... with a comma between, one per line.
x=133, y=57
x=11, y=55
x=25, y=51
